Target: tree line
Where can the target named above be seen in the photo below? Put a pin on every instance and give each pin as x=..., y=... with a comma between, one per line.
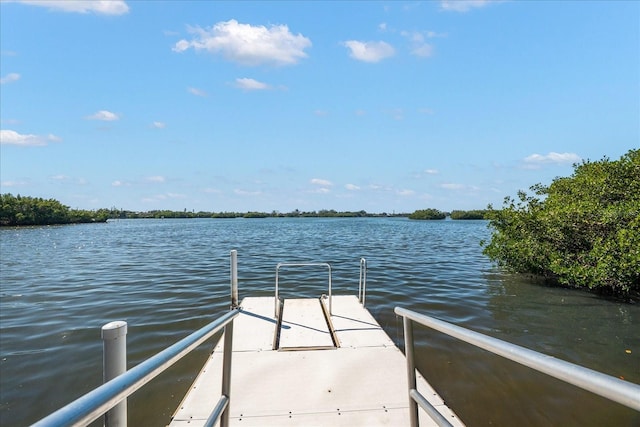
x=20, y=210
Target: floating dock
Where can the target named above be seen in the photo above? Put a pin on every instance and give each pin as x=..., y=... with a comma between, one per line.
x=317, y=366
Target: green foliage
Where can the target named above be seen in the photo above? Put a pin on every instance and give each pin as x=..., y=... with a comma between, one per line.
x=428, y=214
x=582, y=230
x=475, y=214
x=19, y=210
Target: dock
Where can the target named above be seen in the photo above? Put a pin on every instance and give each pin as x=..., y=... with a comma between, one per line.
x=311, y=368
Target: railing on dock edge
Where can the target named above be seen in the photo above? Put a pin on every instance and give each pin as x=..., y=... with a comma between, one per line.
x=607, y=386
x=114, y=392
x=299, y=264
x=362, y=283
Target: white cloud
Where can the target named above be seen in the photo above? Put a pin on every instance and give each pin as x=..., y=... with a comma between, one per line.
x=104, y=115
x=100, y=7
x=418, y=46
x=240, y=192
x=534, y=161
x=405, y=192
x=159, y=125
x=352, y=187
x=431, y=171
x=463, y=5
x=197, y=92
x=10, y=78
x=118, y=183
x=155, y=179
x=251, y=84
x=13, y=183
x=324, y=182
x=369, y=51
x=247, y=44
x=452, y=186
x=11, y=137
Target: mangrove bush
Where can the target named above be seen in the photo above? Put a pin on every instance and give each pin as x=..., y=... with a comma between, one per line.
x=580, y=231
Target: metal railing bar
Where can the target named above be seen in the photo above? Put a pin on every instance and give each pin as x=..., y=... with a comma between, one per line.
x=362, y=284
x=607, y=386
x=222, y=404
x=429, y=408
x=92, y=405
x=299, y=264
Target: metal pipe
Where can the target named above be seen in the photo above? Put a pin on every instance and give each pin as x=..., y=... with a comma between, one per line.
x=411, y=371
x=92, y=405
x=226, y=372
x=114, y=363
x=299, y=264
x=612, y=388
x=362, y=287
x=234, y=279
x=220, y=406
x=429, y=409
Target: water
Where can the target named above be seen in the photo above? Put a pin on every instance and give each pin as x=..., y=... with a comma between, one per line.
x=166, y=278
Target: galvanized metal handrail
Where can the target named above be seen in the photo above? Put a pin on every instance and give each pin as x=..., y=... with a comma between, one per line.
x=92, y=405
x=362, y=283
x=299, y=264
x=607, y=386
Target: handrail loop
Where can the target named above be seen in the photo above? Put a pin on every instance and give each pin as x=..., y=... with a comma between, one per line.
x=607, y=386
x=299, y=264
x=92, y=405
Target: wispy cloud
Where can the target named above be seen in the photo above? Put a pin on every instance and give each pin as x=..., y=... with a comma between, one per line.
x=241, y=192
x=535, y=161
x=159, y=125
x=463, y=5
x=99, y=7
x=104, y=115
x=419, y=47
x=323, y=182
x=372, y=51
x=155, y=179
x=65, y=179
x=452, y=186
x=10, y=78
x=197, y=92
x=431, y=171
x=13, y=183
x=352, y=187
x=250, y=84
x=11, y=137
x=247, y=44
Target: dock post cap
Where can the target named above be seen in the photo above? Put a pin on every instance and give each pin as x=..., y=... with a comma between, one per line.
x=114, y=330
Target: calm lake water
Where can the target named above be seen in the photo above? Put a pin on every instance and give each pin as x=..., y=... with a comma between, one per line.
x=166, y=278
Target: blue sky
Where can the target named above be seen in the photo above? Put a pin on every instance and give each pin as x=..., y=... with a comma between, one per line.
x=376, y=106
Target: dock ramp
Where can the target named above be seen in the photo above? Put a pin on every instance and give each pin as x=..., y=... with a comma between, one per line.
x=357, y=378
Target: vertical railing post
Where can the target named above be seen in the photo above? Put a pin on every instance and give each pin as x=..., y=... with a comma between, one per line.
x=234, y=278
x=226, y=372
x=411, y=370
x=114, y=338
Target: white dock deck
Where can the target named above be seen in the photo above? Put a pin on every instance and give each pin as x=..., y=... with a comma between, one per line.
x=363, y=382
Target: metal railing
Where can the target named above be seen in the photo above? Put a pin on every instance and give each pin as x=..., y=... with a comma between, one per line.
x=607, y=386
x=113, y=393
x=301, y=264
x=362, y=283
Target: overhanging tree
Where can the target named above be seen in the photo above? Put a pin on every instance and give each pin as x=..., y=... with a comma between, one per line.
x=582, y=230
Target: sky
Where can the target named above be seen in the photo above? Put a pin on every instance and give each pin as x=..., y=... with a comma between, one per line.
x=383, y=106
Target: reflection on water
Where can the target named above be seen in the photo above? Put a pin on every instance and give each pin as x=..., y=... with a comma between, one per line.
x=166, y=278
